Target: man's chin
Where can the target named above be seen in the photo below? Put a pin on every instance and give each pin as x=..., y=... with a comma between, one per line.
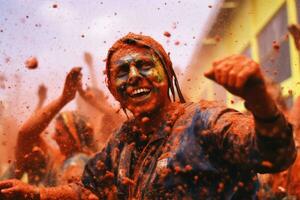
x=143, y=109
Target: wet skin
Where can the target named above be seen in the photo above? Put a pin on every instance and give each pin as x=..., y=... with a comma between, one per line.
x=138, y=80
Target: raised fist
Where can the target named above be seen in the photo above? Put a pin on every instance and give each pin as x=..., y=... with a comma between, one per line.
x=238, y=74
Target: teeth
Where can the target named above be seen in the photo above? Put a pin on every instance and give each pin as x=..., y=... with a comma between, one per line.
x=137, y=91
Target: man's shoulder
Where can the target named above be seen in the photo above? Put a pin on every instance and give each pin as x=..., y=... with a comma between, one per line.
x=204, y=108
x=201, y=115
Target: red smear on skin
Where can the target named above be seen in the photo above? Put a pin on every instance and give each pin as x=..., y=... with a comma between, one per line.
x=31, y=63
x=167, y=34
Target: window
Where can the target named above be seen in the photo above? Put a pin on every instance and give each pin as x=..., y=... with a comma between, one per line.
x=274, y=47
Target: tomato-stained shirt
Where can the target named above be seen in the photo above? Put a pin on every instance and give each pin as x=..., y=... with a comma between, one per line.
x=202, y=151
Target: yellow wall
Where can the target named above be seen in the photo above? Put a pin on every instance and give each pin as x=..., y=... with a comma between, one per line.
x=248, y=20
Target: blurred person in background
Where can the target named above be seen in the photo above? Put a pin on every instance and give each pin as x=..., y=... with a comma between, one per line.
x=36, y=157
x=93, y=104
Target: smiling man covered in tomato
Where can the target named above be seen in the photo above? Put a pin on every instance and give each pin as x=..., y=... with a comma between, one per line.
x=178, y=150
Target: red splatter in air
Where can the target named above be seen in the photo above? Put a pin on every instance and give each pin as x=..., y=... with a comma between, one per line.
x=174, y=26
x=31, y=63
x=177, y=43
x=167, y=34
x=7, y=60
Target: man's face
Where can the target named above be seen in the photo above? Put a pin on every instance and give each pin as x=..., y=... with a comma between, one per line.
x=138, y=80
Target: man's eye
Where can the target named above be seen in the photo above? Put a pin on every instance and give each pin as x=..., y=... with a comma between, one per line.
x=122, y=74
x=122, y=71
x=146, y=67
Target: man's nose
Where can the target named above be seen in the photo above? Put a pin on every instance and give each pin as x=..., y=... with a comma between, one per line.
x=134, y=74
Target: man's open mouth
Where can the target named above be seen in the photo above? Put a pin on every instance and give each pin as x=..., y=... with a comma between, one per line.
x=140, y=92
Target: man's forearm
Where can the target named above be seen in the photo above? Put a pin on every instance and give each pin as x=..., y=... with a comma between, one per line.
x=260, y=103
x=41, y=119
x=274, y=134
x=269, y=120
x=59, y=192
x=73, y=191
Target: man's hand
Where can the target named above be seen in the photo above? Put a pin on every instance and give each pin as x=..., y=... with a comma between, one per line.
x=72, y=83
x=240, y=75
x=16, y=189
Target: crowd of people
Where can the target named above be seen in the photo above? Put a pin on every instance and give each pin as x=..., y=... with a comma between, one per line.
x=167, y=148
